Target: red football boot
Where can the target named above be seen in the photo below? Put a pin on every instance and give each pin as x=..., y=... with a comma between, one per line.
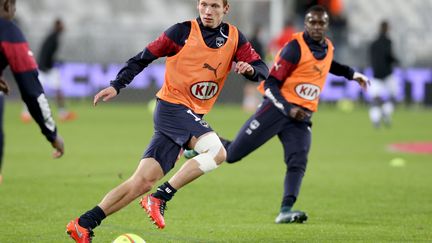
x=155, y=208
x=78, y=233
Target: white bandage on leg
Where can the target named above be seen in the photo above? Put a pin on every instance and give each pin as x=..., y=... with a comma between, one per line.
x=206, y=162
x=207, y=147
x=210, y=144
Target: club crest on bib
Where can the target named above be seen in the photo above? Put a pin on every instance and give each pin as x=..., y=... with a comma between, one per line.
x=308, y=91
x=204, y=124
x=220, y=41
x=204, y=90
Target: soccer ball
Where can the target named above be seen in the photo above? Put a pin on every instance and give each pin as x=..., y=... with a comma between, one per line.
x=129, y=238
x=345, y=105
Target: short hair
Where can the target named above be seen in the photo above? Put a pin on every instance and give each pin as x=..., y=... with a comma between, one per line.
x=317, y=9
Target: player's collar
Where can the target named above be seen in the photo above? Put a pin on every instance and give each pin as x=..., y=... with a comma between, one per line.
x=311, y=41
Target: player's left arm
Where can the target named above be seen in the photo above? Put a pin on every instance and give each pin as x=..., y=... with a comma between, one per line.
x=248, y=61
x=349, y=73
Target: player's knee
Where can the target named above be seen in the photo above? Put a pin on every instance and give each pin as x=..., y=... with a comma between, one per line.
x=211, y=152
x=297, y=165
x=297, y=169
x=220, y=156
x=209, y=143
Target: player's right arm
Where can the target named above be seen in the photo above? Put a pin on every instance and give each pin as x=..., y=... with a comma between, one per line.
x=283, y=67
x=168, y=43
x=16, y=51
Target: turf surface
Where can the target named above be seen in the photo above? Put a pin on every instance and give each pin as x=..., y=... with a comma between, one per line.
x=350, y=191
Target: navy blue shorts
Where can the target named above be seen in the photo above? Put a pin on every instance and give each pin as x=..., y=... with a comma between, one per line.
x=174, y=126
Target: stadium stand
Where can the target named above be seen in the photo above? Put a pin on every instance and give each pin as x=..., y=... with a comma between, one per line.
x=410, y=21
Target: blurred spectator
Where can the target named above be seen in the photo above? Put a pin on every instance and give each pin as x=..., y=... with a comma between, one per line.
x=49, y=73
x=284, y=37
x=251, y=97
x=382, y=61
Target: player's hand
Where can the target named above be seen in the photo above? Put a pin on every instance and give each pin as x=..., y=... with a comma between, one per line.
x=4, y=87
x=105, y=94
x=298, y=113
x=58, y=144
x=362, y=79
x=244, y=68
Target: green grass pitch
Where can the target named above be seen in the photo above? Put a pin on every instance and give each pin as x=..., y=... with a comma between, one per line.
x=350, y=191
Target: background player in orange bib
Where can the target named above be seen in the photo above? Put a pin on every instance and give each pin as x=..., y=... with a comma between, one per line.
x=200, y=54
x=291, y=96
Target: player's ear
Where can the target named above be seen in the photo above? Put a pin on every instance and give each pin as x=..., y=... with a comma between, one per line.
x=4, y=5
x=226, y=9
x=8, y=5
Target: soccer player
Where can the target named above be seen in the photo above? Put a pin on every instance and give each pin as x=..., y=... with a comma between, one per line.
x=15, y=52
x=291, y=95
x=199, y=54
x=382, y=61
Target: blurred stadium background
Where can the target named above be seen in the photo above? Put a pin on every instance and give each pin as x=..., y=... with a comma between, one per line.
x=101, y=35
x=353, y=190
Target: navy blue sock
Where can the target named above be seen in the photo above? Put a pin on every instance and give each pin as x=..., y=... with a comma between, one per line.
x=165, y=192
x=288, y=203
x=92, y=218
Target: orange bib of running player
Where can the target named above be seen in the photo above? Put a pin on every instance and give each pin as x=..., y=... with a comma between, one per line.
x=195, y=76
x=303, y=87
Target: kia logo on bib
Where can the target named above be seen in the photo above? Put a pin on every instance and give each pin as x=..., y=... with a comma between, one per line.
x=204, y=90
x=308, y=91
